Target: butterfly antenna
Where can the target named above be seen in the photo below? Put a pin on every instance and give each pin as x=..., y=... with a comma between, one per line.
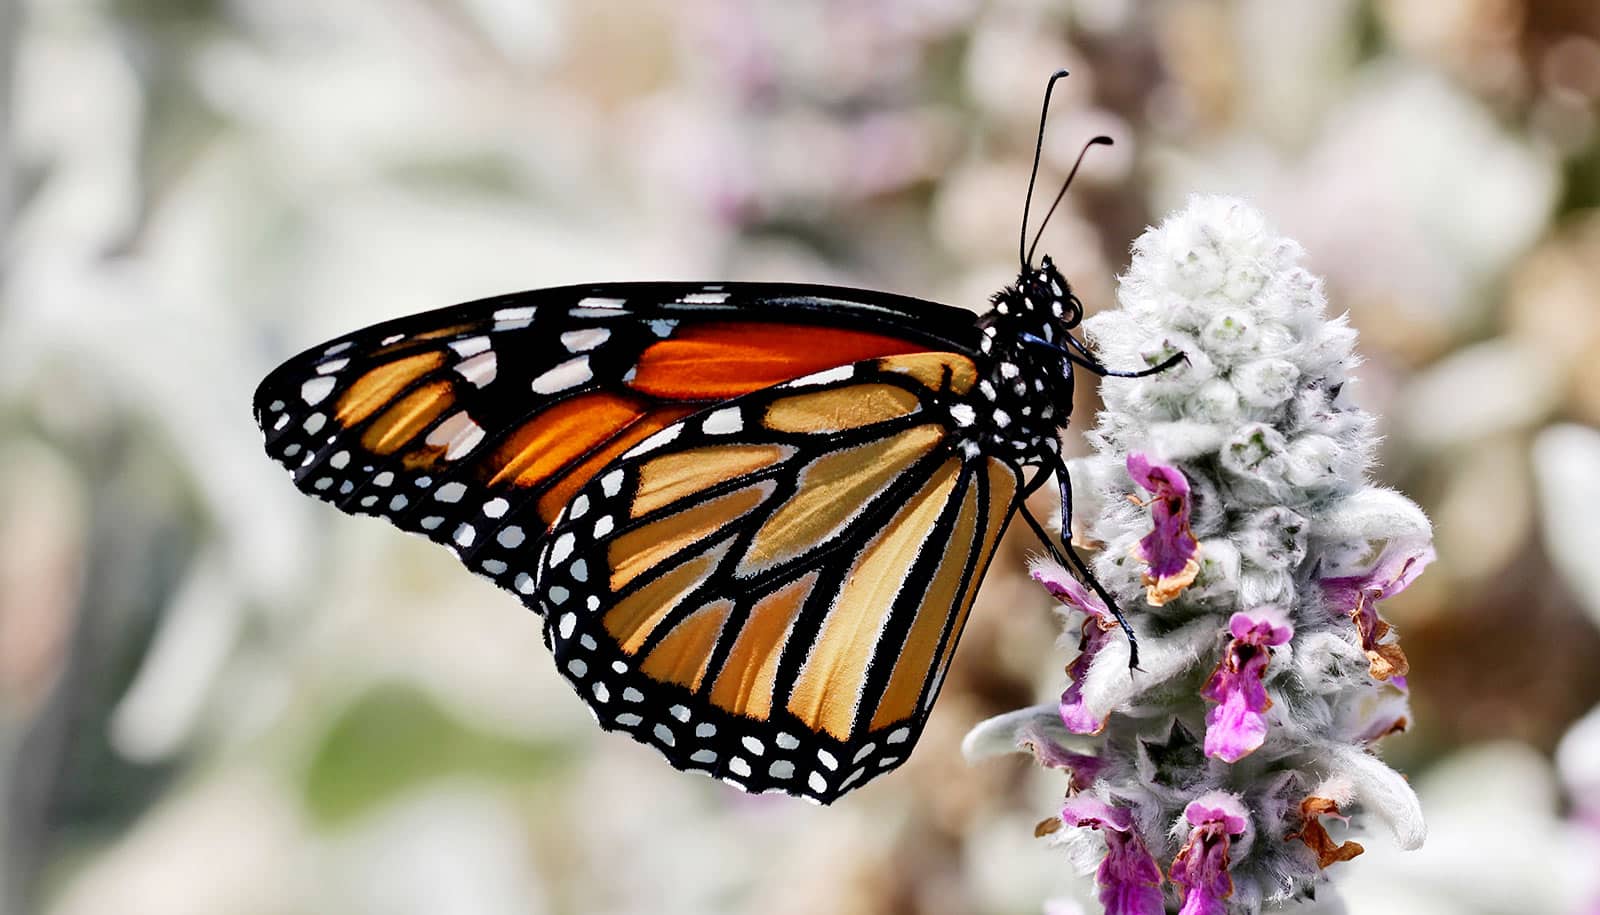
x=1097, y=141
x=1038, y=148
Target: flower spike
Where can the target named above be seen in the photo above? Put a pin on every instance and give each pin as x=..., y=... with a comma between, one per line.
x=1226, y=499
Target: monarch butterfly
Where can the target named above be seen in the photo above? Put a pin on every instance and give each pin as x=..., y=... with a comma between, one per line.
x=754, y=516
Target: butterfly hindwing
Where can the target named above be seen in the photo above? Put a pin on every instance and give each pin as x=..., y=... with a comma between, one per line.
x=476, y=425
x=770, y=591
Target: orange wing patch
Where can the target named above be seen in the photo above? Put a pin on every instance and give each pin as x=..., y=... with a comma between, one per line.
x=646, y=547
x=840, y=409
x=1002, y=483
x=559, y=436
x=682, y=656
x=915, y=657
x=675, y=476
x=724, y=359
x=399, y=424
x=635, y=617
x=830, y=686
x=369, y=393
x=745, y=685
x=832, y=491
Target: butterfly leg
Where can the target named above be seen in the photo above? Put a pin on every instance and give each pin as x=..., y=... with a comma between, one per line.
x=1069, y=558
x=1086, y=359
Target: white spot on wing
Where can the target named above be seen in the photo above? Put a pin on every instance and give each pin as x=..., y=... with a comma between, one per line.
x=611, y=483
x=705, y=298
x=723, y=422
x=562, y=548
x=662, y=327
x=656, y=441
x=471, y=346
x=842, y=373
x=316, y=390
x=331, y=366
x=480, y=369
x=601, y=302
x=582, y=341
x=513, y=318
x=450, y=492
x=458, y=434
x=511, y=537
x=568, y=374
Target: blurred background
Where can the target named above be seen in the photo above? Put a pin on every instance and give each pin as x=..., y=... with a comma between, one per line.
x=218, y=696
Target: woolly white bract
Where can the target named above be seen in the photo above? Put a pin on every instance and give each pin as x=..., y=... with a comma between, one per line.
x=1235, y=524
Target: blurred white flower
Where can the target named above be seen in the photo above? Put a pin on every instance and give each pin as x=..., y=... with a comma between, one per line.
x=1566, y=460
x=1492, y=810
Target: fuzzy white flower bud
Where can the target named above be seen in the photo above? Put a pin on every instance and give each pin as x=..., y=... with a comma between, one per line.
x=1249, y=550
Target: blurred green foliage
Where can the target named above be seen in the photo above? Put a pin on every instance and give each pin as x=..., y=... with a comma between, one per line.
x=394, y=737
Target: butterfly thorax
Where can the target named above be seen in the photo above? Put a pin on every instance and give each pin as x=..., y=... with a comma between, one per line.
x=1026, y=379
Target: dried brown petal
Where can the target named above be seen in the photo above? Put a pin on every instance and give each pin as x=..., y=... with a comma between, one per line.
x=1315, y=835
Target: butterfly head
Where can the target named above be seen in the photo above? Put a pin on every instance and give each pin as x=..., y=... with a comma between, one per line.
x=1046, y=293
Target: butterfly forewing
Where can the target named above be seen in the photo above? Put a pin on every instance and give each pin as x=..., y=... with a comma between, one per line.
x=770, y=591
x=476, y=425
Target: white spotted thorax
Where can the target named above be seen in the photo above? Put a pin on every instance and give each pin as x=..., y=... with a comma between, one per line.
x=1025, y=380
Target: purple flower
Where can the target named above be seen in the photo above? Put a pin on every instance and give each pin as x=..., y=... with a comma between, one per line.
x=1357, y=597
x=1096, y=633
x=1236, y=725
x=1170, y=549
x=1083, y=767
x=1315, y=835
x=1129, y=878
x=1201, y=867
